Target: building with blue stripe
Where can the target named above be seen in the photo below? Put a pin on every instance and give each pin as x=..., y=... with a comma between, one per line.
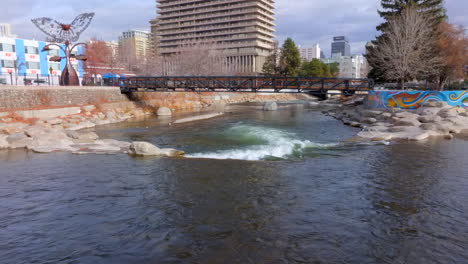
x=22, y=62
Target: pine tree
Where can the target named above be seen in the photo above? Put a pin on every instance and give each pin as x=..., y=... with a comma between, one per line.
x=433, y=10
x=290, y=60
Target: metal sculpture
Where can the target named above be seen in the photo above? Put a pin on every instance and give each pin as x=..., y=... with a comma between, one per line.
x=66, y=34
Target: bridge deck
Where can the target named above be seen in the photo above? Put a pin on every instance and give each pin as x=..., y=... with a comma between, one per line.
x=244, y=84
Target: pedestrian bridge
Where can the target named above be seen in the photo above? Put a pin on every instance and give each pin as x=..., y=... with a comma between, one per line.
x=261, y=84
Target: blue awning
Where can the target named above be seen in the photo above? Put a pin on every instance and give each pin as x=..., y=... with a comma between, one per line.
x=110, y=75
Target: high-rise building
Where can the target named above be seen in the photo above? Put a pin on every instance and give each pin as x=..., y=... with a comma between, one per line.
x=134, y=46
x=310, y=53
x=243, y=30
x=340, y=46
x=5, y=31
x=154, y=38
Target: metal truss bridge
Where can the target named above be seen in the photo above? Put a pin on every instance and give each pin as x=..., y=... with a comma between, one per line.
x=262, y=84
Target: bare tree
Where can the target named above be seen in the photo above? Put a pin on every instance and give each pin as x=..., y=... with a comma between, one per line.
x=407, y=50
x=199, y=59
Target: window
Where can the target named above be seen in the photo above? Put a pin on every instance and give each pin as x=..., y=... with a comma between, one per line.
x=32, y=65
x=53, y=52
x=55, y=66
x=8, y=63
x=7, y=47
x=31, y=50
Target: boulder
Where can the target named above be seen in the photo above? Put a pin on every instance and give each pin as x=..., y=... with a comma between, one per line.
x=369, y=120
x=164, y=111
x=407, y=122
x=429, y=119
x=34, y=131
x=144, y=149
x=386, y=116
x=371, y=113
x=19, y=140
x=89, y=108
x=449, y=112
x=396, y=129
x=270, y=106
x=430, y=126
x=82, y=136
x=49, y=144
x=120, y=144
x=436, y=104
x=406, y=114
x=11, y=130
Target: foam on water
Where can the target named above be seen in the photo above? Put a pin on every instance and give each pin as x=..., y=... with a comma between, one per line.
x=274, y=143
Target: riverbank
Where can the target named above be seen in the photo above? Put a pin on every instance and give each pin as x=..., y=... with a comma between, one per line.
x=432, y=119
x=50, y=119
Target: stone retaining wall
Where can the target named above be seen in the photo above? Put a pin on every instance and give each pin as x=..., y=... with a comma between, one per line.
x=415, y=99
x=49, y=102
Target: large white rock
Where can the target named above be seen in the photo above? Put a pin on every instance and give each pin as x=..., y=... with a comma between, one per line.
x=270, y=106
x=164, y=111
x=144, y=149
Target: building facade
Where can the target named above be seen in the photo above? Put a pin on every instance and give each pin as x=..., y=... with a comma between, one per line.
x=22, y=62
x=5, y=31
x=134, y=46
x=243, y=30
x=340, y=47
x=310, y=53
x=355, y=66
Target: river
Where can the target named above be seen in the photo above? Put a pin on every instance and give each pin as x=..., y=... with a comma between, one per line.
x=255, y=187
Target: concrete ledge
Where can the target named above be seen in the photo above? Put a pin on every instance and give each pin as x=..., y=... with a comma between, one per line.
x=49, y=113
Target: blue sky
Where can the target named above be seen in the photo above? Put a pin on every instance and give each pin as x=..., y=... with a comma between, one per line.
x=306, y=21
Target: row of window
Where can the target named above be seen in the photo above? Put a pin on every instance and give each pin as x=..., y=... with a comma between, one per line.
x=30, y=65
x=27, y=49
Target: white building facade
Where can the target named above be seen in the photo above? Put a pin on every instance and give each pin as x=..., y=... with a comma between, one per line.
x=310, y=53
x=354, y=66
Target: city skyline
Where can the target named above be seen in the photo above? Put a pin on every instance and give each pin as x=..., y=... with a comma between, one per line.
x=307, y=22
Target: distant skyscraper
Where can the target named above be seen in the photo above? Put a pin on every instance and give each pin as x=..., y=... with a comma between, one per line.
x=310, y=53
x=5, y=31
x=322, y=55
x=340, y=46
x=134, y=46
x=242, y=30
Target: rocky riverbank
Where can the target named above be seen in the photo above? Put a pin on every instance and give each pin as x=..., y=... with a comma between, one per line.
x=433, y=119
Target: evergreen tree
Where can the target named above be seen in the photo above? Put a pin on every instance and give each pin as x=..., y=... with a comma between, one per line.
x=433, y=10
x=290, y=60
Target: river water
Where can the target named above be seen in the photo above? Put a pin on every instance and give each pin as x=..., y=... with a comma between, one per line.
x=256, y=187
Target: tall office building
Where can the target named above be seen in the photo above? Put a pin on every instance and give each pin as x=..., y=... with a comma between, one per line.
x=243, y=30
x=154, y=43
x=134, y=46
x=310, y=53
x=340, y=46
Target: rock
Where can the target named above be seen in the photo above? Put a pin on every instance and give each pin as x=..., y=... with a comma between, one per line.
x=19, y=140
x=172, y=152
x=55, y=121
x=120, y=144
x=407, y=122
x=82, y=136
x=144, y=149
x=49, y=144
x=89, y=108
x=375, y=135
x=449, y=112
x=34, y=131
x=11, y=130
x=386, y=115
x=369, y=120
x=396, y=129
x=164, y=111
x=376, y=129
x=465, y=114
x=110, y=115
x=419, y=137
x=371, y=113
x=83, y=125
x=437, y=104
x=270, y=106
x=196, y=118
x=463, y=132
x=429, y=126
x=406, y=115
x=429, y=119
x=355, y=124
x=449, y=137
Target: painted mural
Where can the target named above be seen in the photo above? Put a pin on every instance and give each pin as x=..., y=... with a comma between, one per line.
x=414, y=99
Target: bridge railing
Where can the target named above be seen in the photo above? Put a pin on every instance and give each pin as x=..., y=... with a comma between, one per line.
x=242, y=84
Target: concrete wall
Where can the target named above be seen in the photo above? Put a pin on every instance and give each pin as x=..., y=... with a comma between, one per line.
x=414, y=99
x=22, y=100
